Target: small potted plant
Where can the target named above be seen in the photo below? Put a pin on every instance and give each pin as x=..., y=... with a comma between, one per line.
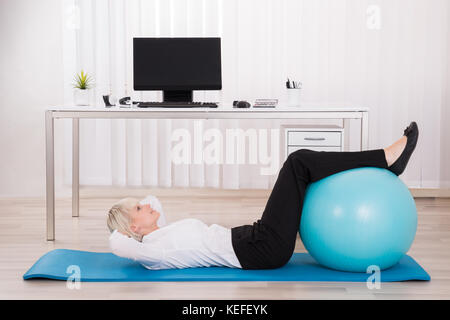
x=83, y=82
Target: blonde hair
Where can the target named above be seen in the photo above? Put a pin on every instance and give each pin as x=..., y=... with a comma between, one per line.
x=119, y=217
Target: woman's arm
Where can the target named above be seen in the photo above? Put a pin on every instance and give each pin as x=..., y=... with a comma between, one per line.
x=126, y=247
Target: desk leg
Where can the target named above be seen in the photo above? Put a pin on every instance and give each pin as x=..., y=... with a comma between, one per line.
x=346, y=142
x=365, y=131
x=75, y=167
x=50, y=174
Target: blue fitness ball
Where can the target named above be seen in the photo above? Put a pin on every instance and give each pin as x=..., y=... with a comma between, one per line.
x=358, y=218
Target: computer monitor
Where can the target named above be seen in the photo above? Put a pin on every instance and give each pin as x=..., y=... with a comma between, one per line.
x=177, y=66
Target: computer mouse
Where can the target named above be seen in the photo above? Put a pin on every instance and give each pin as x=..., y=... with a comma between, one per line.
x=241, y=104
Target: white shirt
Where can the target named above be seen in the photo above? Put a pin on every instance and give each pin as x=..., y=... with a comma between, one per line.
x=187, y=243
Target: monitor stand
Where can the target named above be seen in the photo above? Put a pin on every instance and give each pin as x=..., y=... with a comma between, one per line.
x=177, y=96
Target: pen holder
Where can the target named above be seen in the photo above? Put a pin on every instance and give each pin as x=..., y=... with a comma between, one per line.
x=293, y=97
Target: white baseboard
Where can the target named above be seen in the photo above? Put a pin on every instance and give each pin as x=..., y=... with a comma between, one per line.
x=430, y=193
x=192, y=191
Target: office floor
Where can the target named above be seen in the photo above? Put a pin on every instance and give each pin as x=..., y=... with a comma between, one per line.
x=22, y=242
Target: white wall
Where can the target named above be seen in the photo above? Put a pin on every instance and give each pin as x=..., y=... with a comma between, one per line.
x=30, y=80
x=343, y=54
x=401, y=71
x=445, y=116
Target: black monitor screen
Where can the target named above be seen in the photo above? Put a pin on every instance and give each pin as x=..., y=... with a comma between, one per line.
x=177, y=64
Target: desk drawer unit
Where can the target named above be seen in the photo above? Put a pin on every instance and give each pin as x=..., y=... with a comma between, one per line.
x=317, y=139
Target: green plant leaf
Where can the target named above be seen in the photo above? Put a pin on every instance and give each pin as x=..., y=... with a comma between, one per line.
x=83, y=80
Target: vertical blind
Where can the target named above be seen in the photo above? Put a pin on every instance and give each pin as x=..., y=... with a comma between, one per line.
x=388, y=55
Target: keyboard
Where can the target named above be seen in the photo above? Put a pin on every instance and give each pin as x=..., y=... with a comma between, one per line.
x=177, y=105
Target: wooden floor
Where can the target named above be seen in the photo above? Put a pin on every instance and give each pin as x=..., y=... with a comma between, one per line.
x=22, y=242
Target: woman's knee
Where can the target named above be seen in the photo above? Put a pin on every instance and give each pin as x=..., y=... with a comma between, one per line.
x=282, y=257
x=299, y=152
x=298, y=155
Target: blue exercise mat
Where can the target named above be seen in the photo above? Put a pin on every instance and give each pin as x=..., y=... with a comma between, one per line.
x=106, y=267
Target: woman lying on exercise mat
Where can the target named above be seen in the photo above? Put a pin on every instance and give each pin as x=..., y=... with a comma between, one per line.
x=139, y=231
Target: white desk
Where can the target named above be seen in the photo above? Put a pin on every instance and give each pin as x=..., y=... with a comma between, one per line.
x=222, y=112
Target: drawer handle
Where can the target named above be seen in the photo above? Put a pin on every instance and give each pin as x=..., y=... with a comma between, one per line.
x=315, y=139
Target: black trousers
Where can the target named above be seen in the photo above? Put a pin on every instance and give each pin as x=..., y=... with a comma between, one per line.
x=269, y=243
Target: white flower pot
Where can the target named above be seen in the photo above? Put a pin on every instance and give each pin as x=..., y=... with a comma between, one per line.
x=81, y=97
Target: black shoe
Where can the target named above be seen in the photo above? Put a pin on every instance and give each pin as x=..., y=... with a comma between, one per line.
x=412, y=134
